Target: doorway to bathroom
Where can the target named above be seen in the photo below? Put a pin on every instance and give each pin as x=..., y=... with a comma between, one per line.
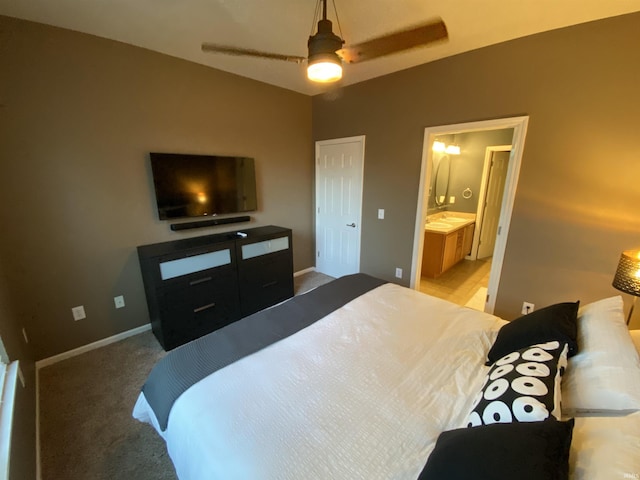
x=467, y=187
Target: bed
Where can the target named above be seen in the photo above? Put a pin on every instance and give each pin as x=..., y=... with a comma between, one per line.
x=362, y=379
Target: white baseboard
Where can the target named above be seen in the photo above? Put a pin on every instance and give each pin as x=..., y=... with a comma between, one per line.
x=38, y=464
x=302, y=272
x=91, y=346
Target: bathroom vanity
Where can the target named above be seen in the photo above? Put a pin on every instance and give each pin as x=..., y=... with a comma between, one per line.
x=447, y=240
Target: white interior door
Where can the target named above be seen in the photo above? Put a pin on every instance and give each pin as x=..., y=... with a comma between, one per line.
x=339, y=167
x=493, y=203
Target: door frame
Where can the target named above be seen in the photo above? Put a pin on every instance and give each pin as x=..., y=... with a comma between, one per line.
x=519, y=125
x=482, y=195
x=360, y=139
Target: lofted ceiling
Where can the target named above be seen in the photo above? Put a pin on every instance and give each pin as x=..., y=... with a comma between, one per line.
x=178, y=27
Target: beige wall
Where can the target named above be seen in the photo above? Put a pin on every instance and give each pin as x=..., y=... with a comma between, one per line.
x=79, y=115
x=577, y=201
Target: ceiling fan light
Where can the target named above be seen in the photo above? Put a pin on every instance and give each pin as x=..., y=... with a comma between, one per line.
x=325, y=68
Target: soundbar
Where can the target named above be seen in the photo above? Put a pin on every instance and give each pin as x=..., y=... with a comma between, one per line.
x=209, y=223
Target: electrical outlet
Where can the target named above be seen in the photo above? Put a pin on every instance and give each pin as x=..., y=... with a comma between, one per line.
x=527, y=308
x=398, y=273
x=119, y=301
x=78, y=313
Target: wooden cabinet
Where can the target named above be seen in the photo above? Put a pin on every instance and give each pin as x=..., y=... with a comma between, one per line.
x=442, y=251
x=451, y=253
x=468, y=239
x=196, y=285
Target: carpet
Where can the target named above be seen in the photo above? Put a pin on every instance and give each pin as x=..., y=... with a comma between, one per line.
x=86, y=427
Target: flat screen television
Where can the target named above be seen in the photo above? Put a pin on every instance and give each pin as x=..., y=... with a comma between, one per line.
x=202, y=185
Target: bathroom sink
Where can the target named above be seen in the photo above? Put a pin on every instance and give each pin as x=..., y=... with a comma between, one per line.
x=457, y=220
x=438, y=225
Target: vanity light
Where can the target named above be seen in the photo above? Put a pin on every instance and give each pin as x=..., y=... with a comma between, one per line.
x=441, y=147
x=438, y=147
x=452, y=149
x=627, y=278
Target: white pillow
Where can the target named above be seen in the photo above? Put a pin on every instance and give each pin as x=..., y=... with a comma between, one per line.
x=604, y=377
x=605, y=447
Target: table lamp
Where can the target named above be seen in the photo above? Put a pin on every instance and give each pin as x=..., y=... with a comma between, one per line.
x=627, y=278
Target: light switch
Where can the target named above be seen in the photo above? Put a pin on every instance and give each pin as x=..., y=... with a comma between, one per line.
x=381, y=214
x=119, y=301
x=78, y=313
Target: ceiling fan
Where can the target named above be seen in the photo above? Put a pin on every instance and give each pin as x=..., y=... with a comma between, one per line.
x=327, y=50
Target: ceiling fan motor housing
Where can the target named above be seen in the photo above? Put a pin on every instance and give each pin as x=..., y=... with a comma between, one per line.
x=324, y=43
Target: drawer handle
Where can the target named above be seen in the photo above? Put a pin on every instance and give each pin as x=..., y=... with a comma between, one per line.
x=200, y=280
x=270, y=284
x=204, y=307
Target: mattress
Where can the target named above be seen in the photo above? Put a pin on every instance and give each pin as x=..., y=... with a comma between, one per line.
x=361, y=394
x=365, y=390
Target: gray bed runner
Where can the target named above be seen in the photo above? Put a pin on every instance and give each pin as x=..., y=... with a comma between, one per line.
x=190, y=363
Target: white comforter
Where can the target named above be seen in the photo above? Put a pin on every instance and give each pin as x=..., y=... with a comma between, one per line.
x=360, y=394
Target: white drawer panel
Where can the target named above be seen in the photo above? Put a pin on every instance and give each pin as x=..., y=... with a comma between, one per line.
x=262, y=248
x=197, y=263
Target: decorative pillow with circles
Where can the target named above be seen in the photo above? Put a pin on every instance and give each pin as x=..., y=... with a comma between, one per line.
x=522, y=386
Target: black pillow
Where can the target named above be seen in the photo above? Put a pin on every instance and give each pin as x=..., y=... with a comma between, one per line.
x=502, y=451
x=555, y=322
x=523, y=386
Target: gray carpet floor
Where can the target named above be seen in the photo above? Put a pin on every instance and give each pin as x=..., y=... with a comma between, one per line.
x=86, y=427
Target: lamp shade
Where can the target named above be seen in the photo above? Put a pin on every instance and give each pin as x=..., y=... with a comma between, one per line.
x=627, y=278
x=324, y=65
x=325, y=68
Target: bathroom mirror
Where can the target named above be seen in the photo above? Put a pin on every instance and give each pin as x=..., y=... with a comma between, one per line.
x=441, y=185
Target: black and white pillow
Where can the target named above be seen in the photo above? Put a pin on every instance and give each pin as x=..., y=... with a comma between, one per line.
x=523, y=386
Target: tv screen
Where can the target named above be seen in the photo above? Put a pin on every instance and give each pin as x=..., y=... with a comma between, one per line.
x=202, y=185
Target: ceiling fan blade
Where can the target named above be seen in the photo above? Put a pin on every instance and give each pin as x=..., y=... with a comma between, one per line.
x=395, y=42
x=227, y=50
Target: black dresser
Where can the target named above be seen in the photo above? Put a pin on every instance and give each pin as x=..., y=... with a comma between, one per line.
x=196, y=285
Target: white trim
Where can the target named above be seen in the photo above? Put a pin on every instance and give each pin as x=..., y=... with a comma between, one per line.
x=38, y=461
x=7, y=405
x=306, y=270
x=91, y=346
x=519, y=125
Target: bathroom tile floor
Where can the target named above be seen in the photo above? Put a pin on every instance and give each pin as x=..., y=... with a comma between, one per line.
x=459, y=283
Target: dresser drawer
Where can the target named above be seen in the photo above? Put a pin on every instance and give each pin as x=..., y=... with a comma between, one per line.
x=265, y=282
x=191, y=310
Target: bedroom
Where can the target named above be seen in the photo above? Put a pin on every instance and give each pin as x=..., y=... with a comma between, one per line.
x=77, y=195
